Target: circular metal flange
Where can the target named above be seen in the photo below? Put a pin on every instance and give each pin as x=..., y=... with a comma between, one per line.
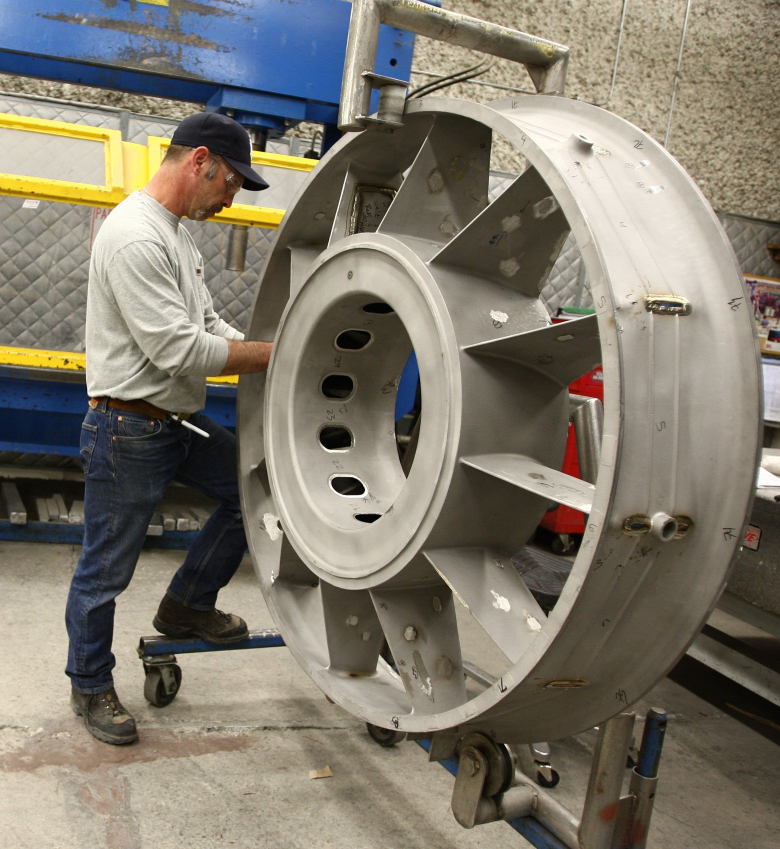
x=393, y=246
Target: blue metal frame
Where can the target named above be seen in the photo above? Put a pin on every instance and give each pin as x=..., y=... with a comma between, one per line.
x=157, y=646
x=268, y=63
x=59, y=532
x=42, y=409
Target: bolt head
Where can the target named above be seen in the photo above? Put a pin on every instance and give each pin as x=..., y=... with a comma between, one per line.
x=410, y=633
x=471, y=764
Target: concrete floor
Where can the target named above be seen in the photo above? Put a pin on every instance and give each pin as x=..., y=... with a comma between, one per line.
x=227, y=763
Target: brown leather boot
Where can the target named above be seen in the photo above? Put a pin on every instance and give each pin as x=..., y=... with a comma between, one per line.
x=213, y=626
x=104, y=716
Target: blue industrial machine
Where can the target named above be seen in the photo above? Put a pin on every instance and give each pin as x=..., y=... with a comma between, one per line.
x=269, y=64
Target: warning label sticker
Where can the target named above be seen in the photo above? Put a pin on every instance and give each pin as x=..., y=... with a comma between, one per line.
x=752, y=538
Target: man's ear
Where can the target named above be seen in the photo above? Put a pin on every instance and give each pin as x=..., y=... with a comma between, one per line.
x=200, y=158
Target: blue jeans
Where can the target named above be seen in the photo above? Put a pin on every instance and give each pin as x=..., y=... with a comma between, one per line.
x=129, y=460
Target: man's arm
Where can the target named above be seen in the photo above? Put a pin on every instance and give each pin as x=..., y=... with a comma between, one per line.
x=247, y=357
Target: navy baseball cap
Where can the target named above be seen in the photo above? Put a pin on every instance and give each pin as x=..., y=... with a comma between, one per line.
x=225, y=137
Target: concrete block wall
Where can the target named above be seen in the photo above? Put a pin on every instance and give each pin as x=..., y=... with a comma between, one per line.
x=725, y=128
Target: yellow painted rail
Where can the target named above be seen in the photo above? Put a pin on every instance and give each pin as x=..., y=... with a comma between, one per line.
x=128, y=167
x=35, y=358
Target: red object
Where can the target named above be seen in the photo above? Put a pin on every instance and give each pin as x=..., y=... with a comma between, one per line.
x=566, y=520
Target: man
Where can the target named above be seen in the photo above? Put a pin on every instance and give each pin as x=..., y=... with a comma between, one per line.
x=152, y=339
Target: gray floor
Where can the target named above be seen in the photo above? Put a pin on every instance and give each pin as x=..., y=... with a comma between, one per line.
x=227, y=763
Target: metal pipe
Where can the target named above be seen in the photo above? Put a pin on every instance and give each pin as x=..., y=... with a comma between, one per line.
x=606, y=782
x=587, y=415
x=474, y=34
x=652, y=743
x=557, y=818
x=621, y=29
x=524, y=798
x=236, y=247
x=644, y=782
x=518, y=801
x=677, y=73
x=546, y=61
x=359, y=59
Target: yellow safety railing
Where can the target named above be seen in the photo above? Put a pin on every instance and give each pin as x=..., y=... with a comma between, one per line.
x=128, y=167
x=109, y=193
x=36, y=358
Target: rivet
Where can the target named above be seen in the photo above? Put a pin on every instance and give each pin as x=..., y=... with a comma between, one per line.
x=437, y=604
x=349, y=275
x=352, y=620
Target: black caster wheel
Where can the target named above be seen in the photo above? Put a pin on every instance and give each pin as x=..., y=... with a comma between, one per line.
x=386, y=737
x=547, y=780
x=162, y=684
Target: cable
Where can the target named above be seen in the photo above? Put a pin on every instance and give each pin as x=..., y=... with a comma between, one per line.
x=452, y=79
x=422, y=90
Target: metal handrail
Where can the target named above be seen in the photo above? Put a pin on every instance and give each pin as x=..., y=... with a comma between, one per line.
x=546, y=61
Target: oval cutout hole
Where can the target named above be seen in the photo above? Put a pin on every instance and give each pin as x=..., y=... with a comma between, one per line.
x=334, y=438
x=337, y=386
x=353, y=340
x=348, y=486
x=368, y=517
x=378, y=308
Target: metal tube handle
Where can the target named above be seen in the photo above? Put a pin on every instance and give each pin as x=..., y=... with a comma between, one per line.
x=545, y=60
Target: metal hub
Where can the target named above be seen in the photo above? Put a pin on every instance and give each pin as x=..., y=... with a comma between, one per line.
x=391, y=247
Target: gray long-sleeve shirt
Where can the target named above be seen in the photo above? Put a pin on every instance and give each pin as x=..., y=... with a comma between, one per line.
x=152, y=333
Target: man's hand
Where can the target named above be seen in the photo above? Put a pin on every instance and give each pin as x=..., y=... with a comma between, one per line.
x=247, y=357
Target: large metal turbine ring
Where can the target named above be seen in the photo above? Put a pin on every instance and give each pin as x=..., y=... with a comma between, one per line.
x=350, y=549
